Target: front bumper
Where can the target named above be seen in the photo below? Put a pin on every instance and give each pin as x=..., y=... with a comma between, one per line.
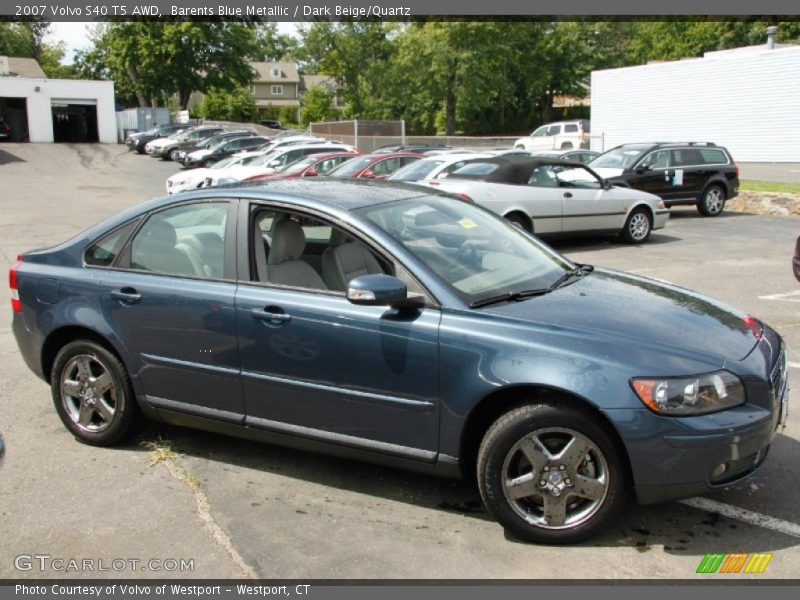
x=660, y=219
x=679, y=457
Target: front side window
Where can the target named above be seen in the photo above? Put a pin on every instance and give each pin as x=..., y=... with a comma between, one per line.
x=554, y=130
x=541, y=132
x=477, y=253
x=657, y=160
x=187, y=240
x=543, y=176
x=293, y=250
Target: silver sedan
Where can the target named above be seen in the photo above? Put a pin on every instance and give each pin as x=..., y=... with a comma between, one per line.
x=549, y=196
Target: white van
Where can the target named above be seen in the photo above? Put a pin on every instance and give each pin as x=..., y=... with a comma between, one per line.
x=562, y=135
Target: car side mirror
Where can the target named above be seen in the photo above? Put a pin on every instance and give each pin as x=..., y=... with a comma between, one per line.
x=381, y=177
x=643, y=169
x=382, y=290
x=274, y=163
x=607, y=185
x=311, y=172
x=370, y=174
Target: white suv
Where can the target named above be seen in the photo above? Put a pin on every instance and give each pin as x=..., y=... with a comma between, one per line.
x=557, y=136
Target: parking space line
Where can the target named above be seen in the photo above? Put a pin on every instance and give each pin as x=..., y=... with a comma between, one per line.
x=785, y=296
x=741, y=514
x=793, y=365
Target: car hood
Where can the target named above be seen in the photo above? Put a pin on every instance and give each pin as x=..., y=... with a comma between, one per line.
x=192, y=175
x=197, y=154
x=637, y=311
x=607, y=172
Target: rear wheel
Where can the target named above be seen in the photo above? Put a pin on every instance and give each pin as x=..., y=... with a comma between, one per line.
x=92, y=393
x=173, y=154
x=637, y=227
x=566, y=146
x=521, y=221
x=551, y=474
x=713, y=201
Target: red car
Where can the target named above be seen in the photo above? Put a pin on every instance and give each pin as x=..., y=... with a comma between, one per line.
x=374, y=166
x=796, y=259
x=308, y=166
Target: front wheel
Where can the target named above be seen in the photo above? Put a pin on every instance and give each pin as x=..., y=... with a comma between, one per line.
x=551, y=474
x=92, y=393
x=637, y=227
x=712, y=202
x=173, y=154
x=566, y=146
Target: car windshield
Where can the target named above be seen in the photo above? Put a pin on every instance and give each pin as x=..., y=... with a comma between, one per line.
x=298, y=165
x=618, y=158
x=477, y=253
x=226, y=162
x=415, y=171
x=351, y=167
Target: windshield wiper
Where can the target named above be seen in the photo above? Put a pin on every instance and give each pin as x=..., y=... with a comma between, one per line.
x=579, y=271
x=509, y=297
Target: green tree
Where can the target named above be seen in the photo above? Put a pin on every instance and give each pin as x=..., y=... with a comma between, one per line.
x=235, y=105
x=318, y=105
x=152, y=60
x=271, y=45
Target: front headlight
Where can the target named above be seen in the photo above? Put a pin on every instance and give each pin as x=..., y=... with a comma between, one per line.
x=684, y=396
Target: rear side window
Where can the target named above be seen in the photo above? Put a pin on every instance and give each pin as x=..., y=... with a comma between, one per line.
x=105, y=250
x=185, y=240
x=713, y=157
x=570, y=129
x=686, y=158
x=477, y=168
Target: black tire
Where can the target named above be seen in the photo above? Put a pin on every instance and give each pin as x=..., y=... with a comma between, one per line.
x=97, y=430
x=608, y=473
x=638, y=226
x=713, y=201
x=520, y=221
x=140, y=150
x=207, y=163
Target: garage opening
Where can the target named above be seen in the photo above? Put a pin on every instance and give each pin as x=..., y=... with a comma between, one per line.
x=75, y=121
x=13, y=120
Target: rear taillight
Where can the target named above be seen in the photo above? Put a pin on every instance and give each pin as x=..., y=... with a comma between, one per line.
x=463, y=197
x=16, y=305
x=755, y=326
x=737, y=170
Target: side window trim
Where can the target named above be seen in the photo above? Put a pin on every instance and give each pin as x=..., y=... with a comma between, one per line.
x=245, y=257
x=118, y=248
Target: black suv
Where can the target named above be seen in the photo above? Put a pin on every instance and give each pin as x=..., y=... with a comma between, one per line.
x=699, y=173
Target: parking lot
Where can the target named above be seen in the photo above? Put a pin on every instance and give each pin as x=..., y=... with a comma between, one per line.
x=239, y=509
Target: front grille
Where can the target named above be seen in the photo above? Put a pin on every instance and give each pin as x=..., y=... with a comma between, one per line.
x=778, y=381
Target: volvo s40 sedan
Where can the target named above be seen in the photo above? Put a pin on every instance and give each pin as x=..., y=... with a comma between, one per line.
x=391, y=323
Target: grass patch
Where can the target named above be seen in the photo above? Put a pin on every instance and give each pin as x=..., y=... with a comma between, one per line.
x=160, y=451
x=779, y=187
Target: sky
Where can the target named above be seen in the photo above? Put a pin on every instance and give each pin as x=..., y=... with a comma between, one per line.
x=76, y=35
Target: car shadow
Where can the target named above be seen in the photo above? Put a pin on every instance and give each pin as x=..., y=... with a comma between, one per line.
x=689, y=212
x=580, y=244
x=6, y=157
x=671, y=528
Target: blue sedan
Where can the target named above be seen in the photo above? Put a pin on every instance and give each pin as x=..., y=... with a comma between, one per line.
x=394, y=324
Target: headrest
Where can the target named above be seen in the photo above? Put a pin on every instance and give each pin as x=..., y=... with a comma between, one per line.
x=160, y=233
x=338, y=237
x=288, y=242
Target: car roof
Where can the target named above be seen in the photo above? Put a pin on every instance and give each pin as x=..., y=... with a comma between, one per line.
x=513, y=169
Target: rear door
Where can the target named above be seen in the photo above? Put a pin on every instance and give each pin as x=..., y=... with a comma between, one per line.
x=170, y=300
x=691, y=171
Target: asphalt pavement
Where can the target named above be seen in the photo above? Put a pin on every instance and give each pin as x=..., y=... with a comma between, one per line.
x=240, y=509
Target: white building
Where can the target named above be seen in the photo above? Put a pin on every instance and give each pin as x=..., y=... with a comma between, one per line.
x=53, y=110
x=747, y=100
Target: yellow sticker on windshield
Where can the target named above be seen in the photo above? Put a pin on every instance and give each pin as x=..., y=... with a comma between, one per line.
x=467, y=223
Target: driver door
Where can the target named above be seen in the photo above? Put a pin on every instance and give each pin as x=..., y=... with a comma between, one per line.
x=586, y=206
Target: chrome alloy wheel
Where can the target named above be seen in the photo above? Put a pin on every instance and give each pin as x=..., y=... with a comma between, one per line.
x=555, y=478
x=714, y=200
x=88, y=393
x=639, y=226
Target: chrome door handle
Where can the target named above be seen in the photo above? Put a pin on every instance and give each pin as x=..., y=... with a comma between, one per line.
x=567, y=194
x=126, y=294
x=269, y=316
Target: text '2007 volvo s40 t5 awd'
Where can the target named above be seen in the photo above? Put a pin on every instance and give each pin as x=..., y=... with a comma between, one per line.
x=394, y=324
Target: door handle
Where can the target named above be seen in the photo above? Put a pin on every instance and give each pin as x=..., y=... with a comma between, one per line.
x=567, y=194
x=271, y=315
x=126, y=294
